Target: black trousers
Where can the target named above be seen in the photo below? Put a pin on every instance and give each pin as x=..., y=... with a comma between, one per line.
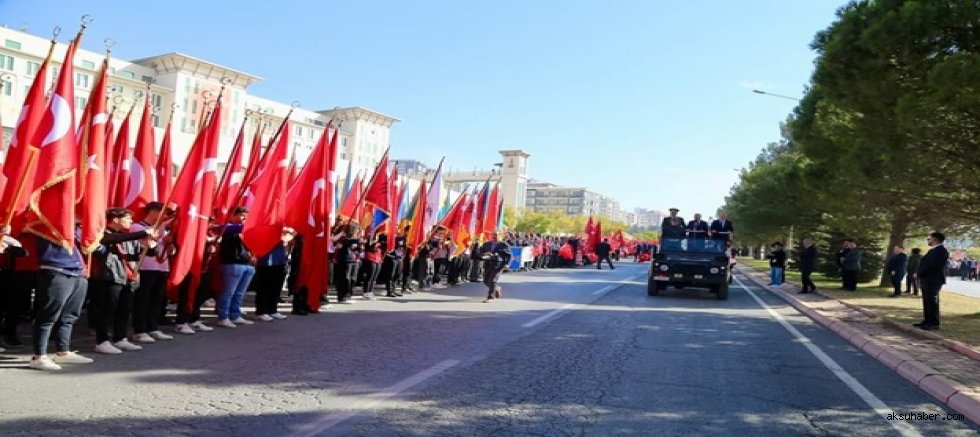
x=371, y=270
x=406, y=272
x=607, y=259
x=113, y=304
x=344, y=277
x=268, y=286
x=148, y=299
x=911, y=284
x=15, y=301
x=490, y=277
x=930, y=301
x=849, y=278
x=808, y=285
x=58, y=304
x=396, y=276
x=441, y=268
x=475, y=265
x=897, y=284
x=192, y=314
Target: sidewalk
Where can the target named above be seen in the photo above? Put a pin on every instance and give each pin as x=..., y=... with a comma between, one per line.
x=947, y=370
x=966, y=288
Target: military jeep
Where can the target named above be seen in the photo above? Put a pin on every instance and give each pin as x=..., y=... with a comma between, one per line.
x=688, y=262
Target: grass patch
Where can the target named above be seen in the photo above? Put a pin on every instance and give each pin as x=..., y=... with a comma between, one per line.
x=960, y=315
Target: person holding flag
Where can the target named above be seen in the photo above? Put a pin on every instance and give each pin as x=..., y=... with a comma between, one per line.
x=237, y=270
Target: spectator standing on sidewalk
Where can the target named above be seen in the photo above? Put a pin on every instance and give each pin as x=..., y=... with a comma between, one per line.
x=851, y=265
x=808, y=263
x=897, y=266
x=932, y=276
x=777, y=262
x=912, y=278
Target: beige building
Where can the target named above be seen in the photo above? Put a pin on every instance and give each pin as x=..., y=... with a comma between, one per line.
x=543, y=196
x=512, y=176
x=184, y=87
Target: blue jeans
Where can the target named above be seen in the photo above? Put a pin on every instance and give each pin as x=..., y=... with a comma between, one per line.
x=776, y=276
x=235, y=279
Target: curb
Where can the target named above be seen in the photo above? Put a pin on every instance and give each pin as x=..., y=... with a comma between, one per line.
x=955, y=396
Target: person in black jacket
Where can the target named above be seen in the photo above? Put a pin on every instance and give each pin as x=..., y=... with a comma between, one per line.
x=851, y=266
x=391, y=269
x=897, y=266
x=932, y=276
x=602, y=250
x=808, y=263
x=777, y=262
x=912, y=279
x=348, y=257
x=496, y=256
x=115, y=277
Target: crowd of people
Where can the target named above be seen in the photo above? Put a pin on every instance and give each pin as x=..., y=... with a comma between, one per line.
x=122, y=289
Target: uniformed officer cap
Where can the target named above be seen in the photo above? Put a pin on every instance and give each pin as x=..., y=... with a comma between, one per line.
x=674, y=210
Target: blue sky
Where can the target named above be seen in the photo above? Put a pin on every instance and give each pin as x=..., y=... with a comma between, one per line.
x=646, y=101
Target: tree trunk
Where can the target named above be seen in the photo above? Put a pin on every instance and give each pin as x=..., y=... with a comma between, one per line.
x=896, y=237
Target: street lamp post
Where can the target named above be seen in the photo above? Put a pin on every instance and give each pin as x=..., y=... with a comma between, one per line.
x=766, y=93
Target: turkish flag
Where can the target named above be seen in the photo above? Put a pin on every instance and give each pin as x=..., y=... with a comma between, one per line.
x=92, y=207
x=165, y=167
x=52, y=200
x=348, y=209
x=311, y=201
x=141, y=187
x=16, y=167
x=263, y=229
x=589, y=231
x=396, y=203
x=122, y=157
x=193, y=197
x=231, y=181
x=254, y=158
x=379, y=191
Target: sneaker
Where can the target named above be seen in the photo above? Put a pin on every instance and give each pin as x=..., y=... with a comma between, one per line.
x=200, y=326
x=225, y=323
x=72, y=358
x=159, y=335
x=264, y=318
x=127, y=346
x=324, y=306
x=107, y=348
x=43, y=362
x=369, y=296
x=209, y=303
x=488, y=300
x=143, y=338
x=279, y=316
x=346, y=302
x=184, y=329
x=242, y=321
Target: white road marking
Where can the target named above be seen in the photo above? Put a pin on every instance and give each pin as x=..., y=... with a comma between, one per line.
x=330, y=420
x=859, y=389
x=569, y=306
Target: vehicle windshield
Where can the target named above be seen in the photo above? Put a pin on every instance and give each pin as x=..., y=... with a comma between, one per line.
x=691, y=245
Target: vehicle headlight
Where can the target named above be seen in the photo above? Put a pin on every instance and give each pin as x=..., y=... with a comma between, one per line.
x=664, y=268
x=714, y=270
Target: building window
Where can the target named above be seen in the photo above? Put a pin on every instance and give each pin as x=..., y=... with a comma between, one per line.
x=148, y=79
x=7, y=89
x=6, y=62
x=32, y=68
x=82, y=80
x=299, y=131
x=156, y=120
x=128, y=74
x=11, y=44
x=80, y=103
x=193, y=106
x=88, y=64
x=157, y=100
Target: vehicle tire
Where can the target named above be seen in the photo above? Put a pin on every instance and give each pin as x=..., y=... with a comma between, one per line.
x=653, y=288
x=679, y=286
x=723, y=292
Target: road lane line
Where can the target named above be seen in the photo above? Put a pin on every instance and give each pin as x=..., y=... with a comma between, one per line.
x=569, y=306
x=859, y=389
x=330, y=420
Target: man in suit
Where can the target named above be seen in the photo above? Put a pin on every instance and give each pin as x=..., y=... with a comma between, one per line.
x=603, y=250
x=932, y=276
x=912, y=280
x=697, y=229
x=851, y=266
x=897, y=266
x=722, y=229
x=667, y=220
x=808, y=263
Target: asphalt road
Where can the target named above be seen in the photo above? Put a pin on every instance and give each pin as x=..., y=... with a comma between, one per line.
x=566, y=352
